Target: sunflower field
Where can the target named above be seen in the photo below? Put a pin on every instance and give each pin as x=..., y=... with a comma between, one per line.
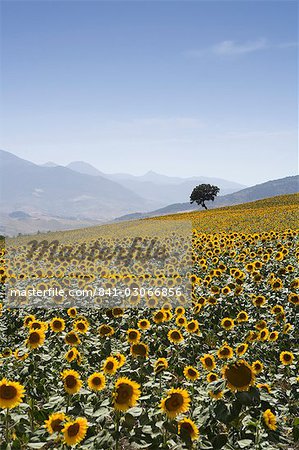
x=187, y=337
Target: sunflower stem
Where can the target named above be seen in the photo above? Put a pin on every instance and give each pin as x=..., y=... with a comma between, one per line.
x=117, y=420
x=257, y=434
x=7, y=427
x=68, y=403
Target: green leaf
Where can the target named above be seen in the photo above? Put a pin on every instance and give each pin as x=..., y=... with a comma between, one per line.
x=35, y=444
x=245, y=443
x=136, y=411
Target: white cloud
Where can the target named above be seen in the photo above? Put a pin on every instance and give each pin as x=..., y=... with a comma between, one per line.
x=229, y=48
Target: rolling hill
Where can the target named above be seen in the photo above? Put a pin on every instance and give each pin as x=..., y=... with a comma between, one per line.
x=282, y=186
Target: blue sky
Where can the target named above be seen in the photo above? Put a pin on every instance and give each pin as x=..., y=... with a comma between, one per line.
x=182, y=88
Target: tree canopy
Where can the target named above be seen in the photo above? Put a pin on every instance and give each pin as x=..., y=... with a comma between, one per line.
x=203, y=193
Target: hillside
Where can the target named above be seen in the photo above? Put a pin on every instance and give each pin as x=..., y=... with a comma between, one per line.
x=282, y=186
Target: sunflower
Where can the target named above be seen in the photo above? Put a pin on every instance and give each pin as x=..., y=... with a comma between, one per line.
x=192, y=326
x=159, y=316
x=71, y=381
x=241, y=349
x=144, y=324
x=216, y=395
x=57, y=324
x=96, y=381
x=121, y=359
x=180, y=310
x=35, y=339
x=72, y=312
x=181, y=321
x=72, y=338
x=186, y=427
x=20, y=355
x=225, y=352
x=263, y=334
x=133, y=335
x=270, y=419
x=75, y=432
x=126, y=394
x=71, y=354
x=261, y=325
x=258, y=300
x=160, y=365
x=227, y=323
x=264, y=386
x=239, y=376
x=287, y=327
x=139, y=350
x=110, y=365
x=191, y=373
x=208, y=361
x=242, y=316
x=11, y=393
x=28, y=320
x=117, y=311
x=212, y=377
x=54, y=423
x=293, y=298
x=176, y=402
x=7, y=352
x=175, y=336
x=106, y=330
x=38, y=325
x=286, y=358
x=168, y=315
x=81, y=326
x=273, y=336
x=257, y=367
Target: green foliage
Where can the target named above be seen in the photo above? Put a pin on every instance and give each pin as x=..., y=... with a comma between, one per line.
x=203, y=193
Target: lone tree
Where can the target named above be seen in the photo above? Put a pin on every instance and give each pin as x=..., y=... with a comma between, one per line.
x=202, y=193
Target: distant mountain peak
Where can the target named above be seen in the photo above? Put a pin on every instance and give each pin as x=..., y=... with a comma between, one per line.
x=84, y=167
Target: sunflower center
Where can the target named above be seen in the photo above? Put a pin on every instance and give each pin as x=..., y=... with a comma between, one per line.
x=139, y=349
x=191, y=372
x=73, y=430
x=81, y=326
x=187, y=427
x=209, y=361
x=97, y=381
x=57, y=324
x=34, y=338
x=174, y=402
x=70, y=381
x=7, y=392
x=132, y=335
x=239, y=376
x=105, y=330
x=72, y=338
x=287, y=357
x=175, y=335
x=109, y=365
x=224, y=351
x=56, y=425
x=124, y=393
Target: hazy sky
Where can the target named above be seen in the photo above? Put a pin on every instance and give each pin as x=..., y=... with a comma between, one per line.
x=182, y=88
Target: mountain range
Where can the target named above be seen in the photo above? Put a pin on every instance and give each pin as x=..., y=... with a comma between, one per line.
x=53, y=197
